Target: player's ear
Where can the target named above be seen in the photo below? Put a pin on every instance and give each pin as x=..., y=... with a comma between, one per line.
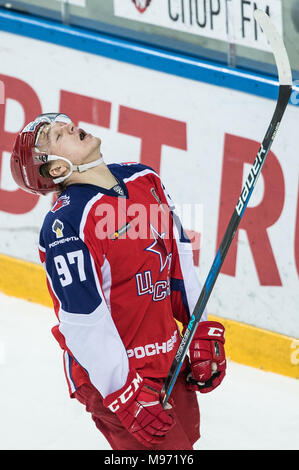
x=57, y=170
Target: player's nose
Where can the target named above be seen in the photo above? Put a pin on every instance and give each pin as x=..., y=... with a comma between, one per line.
x=70, y=128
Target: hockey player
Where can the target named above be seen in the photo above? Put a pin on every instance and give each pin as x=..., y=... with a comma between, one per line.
x=121, y=276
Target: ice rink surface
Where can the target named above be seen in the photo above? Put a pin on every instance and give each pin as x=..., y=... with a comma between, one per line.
x=251, y=410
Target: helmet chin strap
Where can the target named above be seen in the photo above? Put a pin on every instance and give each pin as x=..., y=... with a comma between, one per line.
x=79, y=168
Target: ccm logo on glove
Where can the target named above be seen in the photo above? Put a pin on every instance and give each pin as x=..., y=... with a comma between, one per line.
x=207, y=357
x=138, y=406
x=213, y=331
x=127, y=394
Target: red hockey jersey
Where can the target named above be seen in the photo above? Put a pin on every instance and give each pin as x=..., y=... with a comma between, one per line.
x=120, y=272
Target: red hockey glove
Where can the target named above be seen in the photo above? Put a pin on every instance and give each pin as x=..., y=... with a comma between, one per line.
x=207, y=357
x=137, y=405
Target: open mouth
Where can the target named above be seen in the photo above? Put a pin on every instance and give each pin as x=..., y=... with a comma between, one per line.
x=82, y=134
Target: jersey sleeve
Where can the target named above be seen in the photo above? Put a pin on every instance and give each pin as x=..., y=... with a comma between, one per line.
x=185, y=286
x=85, y=323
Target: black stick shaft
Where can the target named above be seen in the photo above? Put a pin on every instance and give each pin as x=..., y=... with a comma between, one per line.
x=283, y=99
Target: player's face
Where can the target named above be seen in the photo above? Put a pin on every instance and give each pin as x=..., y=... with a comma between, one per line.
x=68, y=141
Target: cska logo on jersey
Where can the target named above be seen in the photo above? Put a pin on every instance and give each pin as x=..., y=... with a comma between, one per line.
x=141, y=5
x=61, y=202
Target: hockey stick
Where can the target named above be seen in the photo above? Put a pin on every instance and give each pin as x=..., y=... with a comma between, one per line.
x=285, y=90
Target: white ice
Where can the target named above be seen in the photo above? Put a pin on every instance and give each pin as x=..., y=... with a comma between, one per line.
x=252, y=409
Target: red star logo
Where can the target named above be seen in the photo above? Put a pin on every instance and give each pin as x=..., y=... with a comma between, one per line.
x=141, y=5
x=158, y=247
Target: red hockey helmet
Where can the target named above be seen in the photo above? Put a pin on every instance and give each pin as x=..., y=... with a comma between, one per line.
x=26, y=160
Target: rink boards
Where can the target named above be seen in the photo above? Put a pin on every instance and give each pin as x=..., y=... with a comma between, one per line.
x=199, y=125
